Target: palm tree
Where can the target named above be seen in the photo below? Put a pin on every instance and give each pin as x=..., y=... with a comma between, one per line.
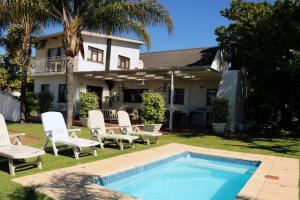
x=105, y=16
x=27, y=16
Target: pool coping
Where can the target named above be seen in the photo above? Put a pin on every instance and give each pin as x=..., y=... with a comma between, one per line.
x=275, y=178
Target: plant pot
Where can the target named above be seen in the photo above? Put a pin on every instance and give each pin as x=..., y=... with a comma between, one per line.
x=219, y=127
x=152, y=127
x=84, y=121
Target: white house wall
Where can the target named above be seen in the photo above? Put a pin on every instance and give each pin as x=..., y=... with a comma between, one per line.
x=54, y=82
x=122, y=48
x=130, y=50
x=50, y=43
x=125, y=49
x=232, y=87
x=96, y=42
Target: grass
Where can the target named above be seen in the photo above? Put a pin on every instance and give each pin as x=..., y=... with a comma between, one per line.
x=255, y=143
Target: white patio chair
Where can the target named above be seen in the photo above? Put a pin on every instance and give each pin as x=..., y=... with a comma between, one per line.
x=56, y=132
x=98, y=130
x=126, y=128
x=17, y=152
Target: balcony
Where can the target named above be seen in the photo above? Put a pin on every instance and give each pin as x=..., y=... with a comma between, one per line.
x=50, y=65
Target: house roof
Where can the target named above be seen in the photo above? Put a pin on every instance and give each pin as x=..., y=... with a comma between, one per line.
x=60, y=34
x=197, y=57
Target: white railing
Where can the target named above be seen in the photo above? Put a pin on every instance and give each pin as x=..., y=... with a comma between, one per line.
x=49, y=65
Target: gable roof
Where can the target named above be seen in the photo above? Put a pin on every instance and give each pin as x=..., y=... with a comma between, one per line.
x=197, y=57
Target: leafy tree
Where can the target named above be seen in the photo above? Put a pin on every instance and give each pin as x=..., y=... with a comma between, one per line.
x=106, y=16
x=266, y=34
x=27, y=16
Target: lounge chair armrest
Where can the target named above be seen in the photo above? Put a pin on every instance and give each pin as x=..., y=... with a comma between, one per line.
x=17, y=138
x=74, y=132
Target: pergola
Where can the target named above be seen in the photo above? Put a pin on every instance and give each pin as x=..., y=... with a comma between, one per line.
x=166, y=74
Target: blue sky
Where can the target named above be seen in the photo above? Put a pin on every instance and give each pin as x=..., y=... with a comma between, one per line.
x=194, y=21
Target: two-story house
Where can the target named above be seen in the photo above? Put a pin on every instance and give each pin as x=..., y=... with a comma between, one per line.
x=197, y=75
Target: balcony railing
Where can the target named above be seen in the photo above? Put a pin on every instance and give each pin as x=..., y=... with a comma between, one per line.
x=49, y=65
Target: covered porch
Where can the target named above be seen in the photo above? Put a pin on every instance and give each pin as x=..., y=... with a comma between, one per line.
x=187, y=92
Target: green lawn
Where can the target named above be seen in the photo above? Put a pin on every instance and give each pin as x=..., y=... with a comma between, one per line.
x=286, y=147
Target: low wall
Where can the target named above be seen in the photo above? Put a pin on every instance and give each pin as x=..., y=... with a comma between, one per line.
x=9, y=107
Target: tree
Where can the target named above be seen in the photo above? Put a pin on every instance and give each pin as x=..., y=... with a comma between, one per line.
x=27, y=16
x=106, y=16
x=266, y=34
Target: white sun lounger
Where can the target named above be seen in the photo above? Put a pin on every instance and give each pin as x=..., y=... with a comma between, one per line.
x=97, y=129
x=126, y=128
x=56, y=132
x=16, y=152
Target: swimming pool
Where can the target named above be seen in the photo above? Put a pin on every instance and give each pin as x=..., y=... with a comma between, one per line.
x=184, y=176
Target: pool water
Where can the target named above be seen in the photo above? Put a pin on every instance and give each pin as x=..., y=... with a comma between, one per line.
x=187, y=178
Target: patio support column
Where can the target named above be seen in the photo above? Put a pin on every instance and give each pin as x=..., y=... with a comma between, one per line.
x=171, y=101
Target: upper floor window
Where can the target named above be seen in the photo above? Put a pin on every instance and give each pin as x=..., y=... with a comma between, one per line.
x=211, y=93
x=62, y=93
x=95, y=55
x=124, y=62
x=44, y=87
x=57, y=51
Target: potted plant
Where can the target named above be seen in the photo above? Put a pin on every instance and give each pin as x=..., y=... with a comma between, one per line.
x=153, y=111
x=87, y=101
x=220, y=113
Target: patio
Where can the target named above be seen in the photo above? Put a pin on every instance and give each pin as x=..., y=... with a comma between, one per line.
x=275, y=179
x=252, y=142
x=190, y=88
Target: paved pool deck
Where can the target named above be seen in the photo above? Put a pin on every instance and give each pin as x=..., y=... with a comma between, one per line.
x=275, y=179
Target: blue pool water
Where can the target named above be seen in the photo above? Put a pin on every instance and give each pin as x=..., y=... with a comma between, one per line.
x=186, y=177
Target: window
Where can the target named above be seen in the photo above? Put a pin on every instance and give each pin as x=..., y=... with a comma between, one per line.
x=124, y=62
x=62, y=93
x=178, y=96
x=44, y=87
x=211, y=93
x=133, y=95
x=58, y=51
x=95, y=55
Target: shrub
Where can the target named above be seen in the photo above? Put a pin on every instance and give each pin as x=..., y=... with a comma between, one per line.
x=88, y=101
x=153, y=108
x=220, y=110
x=45, y=101
x=32, y=103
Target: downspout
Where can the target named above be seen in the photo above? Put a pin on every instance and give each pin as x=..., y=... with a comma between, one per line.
x=108, y=54
x=171, y=101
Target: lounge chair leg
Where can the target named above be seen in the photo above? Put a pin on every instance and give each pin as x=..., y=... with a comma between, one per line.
x=148, y=142
x=121, y=145
x=76, y=153
x=11, y=167
x=55, y=150
x=94, y=151
x=45, y=143
x=101, y=143
x=39, y=162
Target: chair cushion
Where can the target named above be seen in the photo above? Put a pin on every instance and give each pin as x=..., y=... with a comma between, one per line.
x=20, y=151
